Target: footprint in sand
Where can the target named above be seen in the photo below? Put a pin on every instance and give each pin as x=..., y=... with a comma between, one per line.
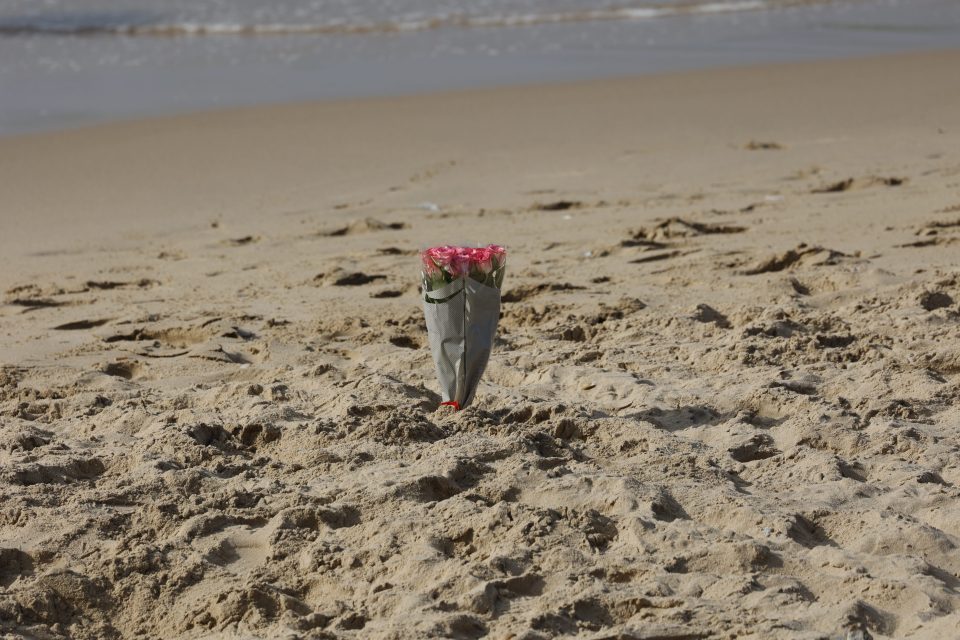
x=656, y=257
x=395, y=251
x=241, y=549
x=404, y=341
x=349, y=279
x=520, y=293
x=933, y=300
x=239, y=242
x=362, y=226
x=58, y=469
x=81, y=324
x=32, y=304
x=202, y=341
x=557, y=205
x=14, y=563
x=357, y=279
x=128, y=370
x=859, y=183
x=801, y=255
x=937, y=232
x=758, y=447
x=219, y=354
x=432, y=171
x=756, y=145
x=161, y=343
x=143, y=283
x=681, y=228
x=707, y=314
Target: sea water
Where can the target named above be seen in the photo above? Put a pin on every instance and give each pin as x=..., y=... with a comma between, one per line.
x=66, y=63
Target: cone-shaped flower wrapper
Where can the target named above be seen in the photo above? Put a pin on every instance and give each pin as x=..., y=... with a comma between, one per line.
x=461, y=302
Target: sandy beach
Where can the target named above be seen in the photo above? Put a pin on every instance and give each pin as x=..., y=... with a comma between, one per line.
x=722, y=403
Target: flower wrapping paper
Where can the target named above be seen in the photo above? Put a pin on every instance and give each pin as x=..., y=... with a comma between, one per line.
x=461, y=305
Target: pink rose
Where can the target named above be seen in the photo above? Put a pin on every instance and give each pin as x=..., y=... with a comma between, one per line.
x=431, y=270
x=455, y=262
x=498, y=255
x=460, y=261
x=483, y=259
x=443, y=256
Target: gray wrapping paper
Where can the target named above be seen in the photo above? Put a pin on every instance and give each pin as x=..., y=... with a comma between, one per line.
x=461, y=326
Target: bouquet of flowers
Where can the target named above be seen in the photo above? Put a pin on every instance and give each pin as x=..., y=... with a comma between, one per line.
x=461, y=302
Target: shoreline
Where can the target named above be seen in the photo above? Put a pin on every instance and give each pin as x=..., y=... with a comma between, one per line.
x=44, y=76
x=526, y=87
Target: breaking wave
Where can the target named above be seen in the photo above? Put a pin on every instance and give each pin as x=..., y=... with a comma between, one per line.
x=79, y=26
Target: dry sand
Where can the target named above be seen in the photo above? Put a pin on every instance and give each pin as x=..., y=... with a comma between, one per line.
x=723, y=402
